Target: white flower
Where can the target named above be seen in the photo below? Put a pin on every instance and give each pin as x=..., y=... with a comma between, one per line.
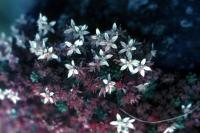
x=110, y=85
x=142, y=68
x=103, y=58
x=109, y=42
x=129, y=64
x=2, y=94
x=171, y=129
x=142, y=87
x=43, y=26
x=128, y=48
x=48, y=54
x=124, y=124
x=74, y=47
x=78, y=31
x=47, y=95
x=13, y=96
x=114, y=27
x=72, y=69
x=186, y=109
x=38, y=46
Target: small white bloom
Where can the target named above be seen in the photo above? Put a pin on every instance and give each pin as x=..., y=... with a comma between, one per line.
x=103, y=58
x=129, y=64
x=78, y=31
x=47, y=95
x=72, y=69
x=48, y=54
x=128, y=48
x=13, y=96
x=142, y=87
x=43, y=26
x=74, y=48
x=109, y=42
x=186, y=109
x=110, y=85
x=124, y=124
x=141, y=68
x=38, y=45
x=171, y=129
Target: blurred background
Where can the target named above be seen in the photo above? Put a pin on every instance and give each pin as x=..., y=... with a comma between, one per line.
x=172, y=25
x=10, y=10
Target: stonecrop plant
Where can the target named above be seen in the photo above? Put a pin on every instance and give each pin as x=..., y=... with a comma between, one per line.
x=72, y=80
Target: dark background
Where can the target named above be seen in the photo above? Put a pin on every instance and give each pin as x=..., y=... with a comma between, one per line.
x=172, y=25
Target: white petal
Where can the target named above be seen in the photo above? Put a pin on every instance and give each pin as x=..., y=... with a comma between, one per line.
x=41, y=57
x=135, y=70
x=73, y=64
x=130, y=67
x=143, y=61
x=114, y=123
x=70, y=73
x=135, y=62
x=78, y=51
x=69, y=44
x=54, y=56
x=142, y=72
x=147, y=68
x=114, y=46
x=98, y=32
x=122, y=51
x=109, y=56
x=123, y=61
x=70, y=52
x=123, y=67
x=106, y=36
x=101, y=52
x=105, y=81
x=118, y=117
x=75, y=71
x=130, y=125
x=50, y=49
x=78, y=43
x=114, y=38
x=68, y=66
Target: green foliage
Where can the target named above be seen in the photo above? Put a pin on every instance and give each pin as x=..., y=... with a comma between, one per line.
x=176, y=102
x=100, y=114
x=61, y=106
x=152, y=129
x=149, y=92
x=191, y=79
x=34, y=77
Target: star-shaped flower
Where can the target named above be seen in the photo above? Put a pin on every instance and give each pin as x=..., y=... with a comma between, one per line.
x=38, y=45
x=74, y=48
x=109, y=42
x=48, y=54
x=128, y=48
x=47, y=95
x=141, y=68
x=13, y=96
x=72, y=69
x=129, y=64
x=103, y=58
x=109, y=85
x=124, y=124
x=43, y=26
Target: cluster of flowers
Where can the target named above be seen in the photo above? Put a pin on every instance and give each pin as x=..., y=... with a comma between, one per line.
x=104, y=48
x=73, y=72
